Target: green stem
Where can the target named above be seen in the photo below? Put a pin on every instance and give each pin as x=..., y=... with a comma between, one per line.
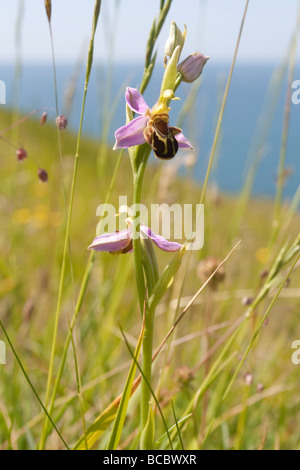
x=147, y=365
x=139, y=161
x=139, y=158
x=217, y=132
x=151, y=274
x=69, y=217
x=61, y=282
x=30, y=383
x=249, y=347
x=83, y=287
x=136, y=243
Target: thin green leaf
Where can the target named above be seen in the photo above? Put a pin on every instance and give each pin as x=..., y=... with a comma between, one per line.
x=122, y=409
x=152, y=393
x=165, y=280
x=172, y=428
x=95, y=431
x=177, y=427
x=31, y=384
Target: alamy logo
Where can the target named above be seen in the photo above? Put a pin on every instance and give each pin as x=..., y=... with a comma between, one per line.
x=296, y=354
x=296, y=94
x=2, y=353
x=176, y=221
x=2, y=92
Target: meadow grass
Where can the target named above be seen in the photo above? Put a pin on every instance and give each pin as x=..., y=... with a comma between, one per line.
x=223, y=377
x=28, y=297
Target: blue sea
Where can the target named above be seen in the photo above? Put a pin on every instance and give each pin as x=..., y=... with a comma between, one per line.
x=248, y=127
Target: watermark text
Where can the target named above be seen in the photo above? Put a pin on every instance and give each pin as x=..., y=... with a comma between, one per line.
x=2, y=92
x=2, y=352
x=177, y=222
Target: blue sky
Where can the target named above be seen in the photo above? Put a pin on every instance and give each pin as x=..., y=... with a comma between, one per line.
x=213, y=26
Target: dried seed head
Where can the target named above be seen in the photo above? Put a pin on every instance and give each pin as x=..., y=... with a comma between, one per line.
x=183, y=376
x=43, y=118
x=43, y=175
x=248, y=379
x=48, y=9
x=61, y=122
x=247, y=300
x=264, y=273
x=205, y=269
x=259, y=387
x=21, y=154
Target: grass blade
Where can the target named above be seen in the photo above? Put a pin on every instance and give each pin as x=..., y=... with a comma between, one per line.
x=121, y=413
x=116, y=410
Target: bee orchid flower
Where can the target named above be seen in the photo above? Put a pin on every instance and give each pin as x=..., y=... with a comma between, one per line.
x=121, y=242
x=152, y=126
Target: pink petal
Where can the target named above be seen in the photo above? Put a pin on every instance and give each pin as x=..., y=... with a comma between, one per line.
x=182, y=141
x=135, y=101
x=111, y=242
x=131, y=134
x=160, y=241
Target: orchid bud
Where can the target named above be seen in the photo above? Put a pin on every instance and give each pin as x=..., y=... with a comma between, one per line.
x=61, y=122
x=247, y=300
x=170, y=74
x=191, y=67
x=176, y=38
x=21, y=154
x=43, y=175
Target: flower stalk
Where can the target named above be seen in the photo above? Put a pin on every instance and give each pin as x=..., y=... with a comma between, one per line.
x=68, y=225
x=138, y=166
x=150, y=130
